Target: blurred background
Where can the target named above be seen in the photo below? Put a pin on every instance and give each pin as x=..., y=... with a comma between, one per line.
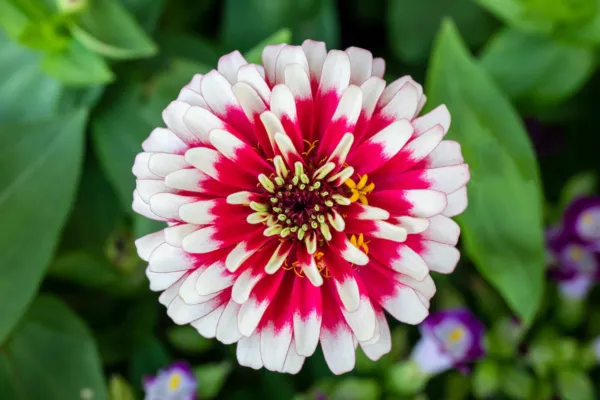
x=83, y=82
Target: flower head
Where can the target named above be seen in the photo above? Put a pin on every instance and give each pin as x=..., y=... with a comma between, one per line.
x=449, y=339
x=174, y=383
x=574, y=248
x=303, y=197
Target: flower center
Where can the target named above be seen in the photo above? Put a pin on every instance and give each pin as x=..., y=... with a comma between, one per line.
x=302, y=205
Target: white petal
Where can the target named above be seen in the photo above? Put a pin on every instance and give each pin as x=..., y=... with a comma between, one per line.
x=229, y=65
x=316, y=52
x=250, y=315
x=198, y=212
x=442, y=229
x=188, y=292
x=172, y=291
x=143, y=208
x=336, y=72
x=207, y=326
x=162, y=164
x=383, y=345
x=173, y=117
x=306, y=333
x=404, y=104
x=426, y=203
x=440, y=257
x=204, y=159
x=448, y=179
x=227, y=328
x=167, y=258
x=439, y=115
x=192, y=97
x=182, y=313
x=163, y=140
x=201, y=241
x=248, y=352
x=348, y=292
x=424, y=286
x=149, y=187
x=174, y=234
x=214, y=279
x=250, y=75
x=338, y=349
x=409, y=263
x=160, y=281
x=289, y=55
x=378, y=68
x=244, y=284
x=293, y=361
x=405, y=306
x=385, y=230
x=141, y=167
x=201, y=121
x=147, y=244
x=274, y=345
x=457, y=202
x=412, y=224
x=362, y=321
x=447, y=153
x=269, y=60
x=361, y=64
x=167, y=205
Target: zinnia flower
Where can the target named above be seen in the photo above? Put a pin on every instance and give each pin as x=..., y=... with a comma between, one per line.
x=303, y=198
x=175, y=383
x=449, y=339
x=574, y=248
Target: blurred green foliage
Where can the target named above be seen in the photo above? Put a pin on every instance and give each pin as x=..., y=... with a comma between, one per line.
x=85, y=81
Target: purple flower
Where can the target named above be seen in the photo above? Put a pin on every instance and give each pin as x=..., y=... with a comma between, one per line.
x=574, y=248
x=449, y=339
x=174, y=383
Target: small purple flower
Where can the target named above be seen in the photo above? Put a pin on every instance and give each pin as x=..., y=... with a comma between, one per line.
x=174, y=383
x=574, y=248
x=449, y=339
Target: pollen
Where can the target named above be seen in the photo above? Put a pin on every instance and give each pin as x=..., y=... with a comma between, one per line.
x=174, y=382
x=456, y=334
x=359, y=243
x=360, y=190
x=300, y=204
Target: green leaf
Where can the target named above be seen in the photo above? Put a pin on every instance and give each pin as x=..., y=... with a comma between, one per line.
x=486, y=379
x=182, y=45
x=146, y=12
x=240, y=29
x=323, y=24
x=535, y=68
x=26, y=93
x=281, y=36
x=405, y=378
x=582, y=184
x=413, y=25
x=94, y=271
x=51, y=356
x=119, y=389
x=149, y=356
x=12, y=19
x=502, y=227
x=575, y=385
x=515, y=13
x=187, y=339
x=313, y=19
x=39, y=169
x=108, y=29
x=117, y=133
x=77, y=66
x=211, y=378
x=517, y=382
x=357, y=389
